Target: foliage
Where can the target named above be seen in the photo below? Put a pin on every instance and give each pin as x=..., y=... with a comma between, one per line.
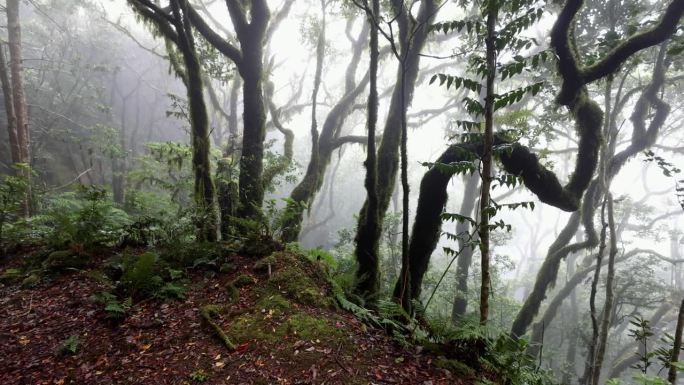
x=199, y=375
x=114, y=308
x=12, y=192
x=86, y=218
x=69, y=346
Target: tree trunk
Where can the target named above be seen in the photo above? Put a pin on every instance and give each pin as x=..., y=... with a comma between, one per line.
x=486, y=165
x=366, y=287
x=204, y=187
x=369, y=229
x=18, y=94
x=677, y=345
x=9, y=109
x=465, y=259
x=306, y=190
x=254, y=133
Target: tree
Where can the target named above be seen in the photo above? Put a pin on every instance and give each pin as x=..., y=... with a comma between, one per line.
x=176, y=28
x=412, y=37
x=18, y=116
x=250, y=64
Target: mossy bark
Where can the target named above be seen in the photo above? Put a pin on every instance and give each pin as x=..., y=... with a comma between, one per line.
x=589, y=116
x=366, y=287
x=177, y=31
x=369, y=229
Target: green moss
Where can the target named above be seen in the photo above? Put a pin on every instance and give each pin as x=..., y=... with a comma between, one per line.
x=63, y=260
x=243, y=280
x=233, y=293
x=271, y=325
x=296, y=285
x=273, y=302
x=11, y=276
x=207, y=313
x=456, y=367
x=30, y=281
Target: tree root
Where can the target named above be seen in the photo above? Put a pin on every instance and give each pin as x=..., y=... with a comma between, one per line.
x=207, y=312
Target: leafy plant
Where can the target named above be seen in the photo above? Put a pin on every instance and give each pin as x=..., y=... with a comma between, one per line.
x=199, y=375
x=69, y=346
x=113, y=308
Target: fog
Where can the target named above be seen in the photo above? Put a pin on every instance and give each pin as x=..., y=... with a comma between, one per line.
x=104, y=101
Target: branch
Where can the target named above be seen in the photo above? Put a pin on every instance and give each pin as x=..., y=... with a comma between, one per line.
x=664, y=29
x=214, y=38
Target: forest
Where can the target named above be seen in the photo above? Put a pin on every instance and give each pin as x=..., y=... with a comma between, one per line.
x=493, y=195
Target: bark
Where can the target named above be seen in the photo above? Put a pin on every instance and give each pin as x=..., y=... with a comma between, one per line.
x=433, y=196
x=19, y=95
x=9, y=109
x=608, y=303
x=176, y=28
x=251, y=35
x=486, y=165
x=460, y=304
x=16, y=72
x=588, y=116
x=366, y=287
x=369, y=231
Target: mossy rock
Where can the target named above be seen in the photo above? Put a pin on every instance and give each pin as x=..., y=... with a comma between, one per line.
x=65, y=259
x=273, y=302
x=11, y=275
x=243, y=280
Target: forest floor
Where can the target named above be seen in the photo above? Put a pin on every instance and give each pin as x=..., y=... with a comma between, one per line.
x=283, y=334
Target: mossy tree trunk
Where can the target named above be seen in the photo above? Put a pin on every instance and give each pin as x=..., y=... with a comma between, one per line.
x=412, y=37
x=589, y=117
x=367, y=287
x=19, y=95
x=175, y=27
x=676, y=346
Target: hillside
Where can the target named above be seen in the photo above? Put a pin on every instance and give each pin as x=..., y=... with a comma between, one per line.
x=278, y=313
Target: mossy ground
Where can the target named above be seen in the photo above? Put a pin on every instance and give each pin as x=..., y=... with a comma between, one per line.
x=284, y=327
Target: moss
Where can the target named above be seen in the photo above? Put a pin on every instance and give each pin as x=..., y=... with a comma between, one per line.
x=273, y=302
x=30, y=281
x=11, y=276
x=294, y=284
x=63, y=260
x=272, y=325
x=243, y=280
x=454, y=366
x=233, y=293
x=207, y=313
